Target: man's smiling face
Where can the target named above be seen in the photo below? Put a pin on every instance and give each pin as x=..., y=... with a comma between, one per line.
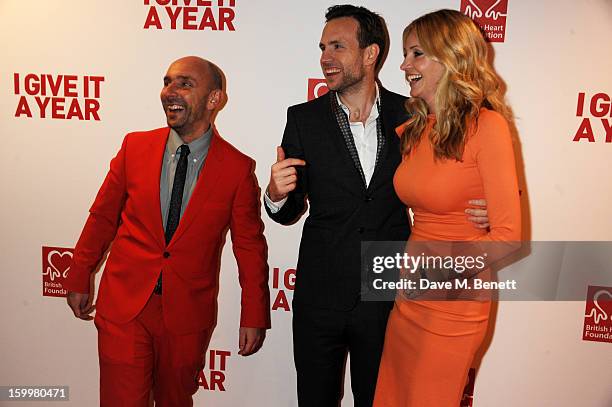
x=342, y=60
x=184, y=95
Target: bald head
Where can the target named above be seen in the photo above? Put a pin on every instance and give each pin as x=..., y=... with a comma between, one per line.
x=204, y=68
x=216, y=78
x=191, y=93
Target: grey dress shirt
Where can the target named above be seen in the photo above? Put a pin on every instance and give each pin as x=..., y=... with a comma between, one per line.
x=197, y=155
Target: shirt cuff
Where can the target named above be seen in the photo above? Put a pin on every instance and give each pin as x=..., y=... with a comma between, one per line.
x=273, y=206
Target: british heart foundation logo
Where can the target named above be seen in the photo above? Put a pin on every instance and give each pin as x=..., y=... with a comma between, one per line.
x=316, y=88
x=56, y=266
x=598, y=315
x=490, y=15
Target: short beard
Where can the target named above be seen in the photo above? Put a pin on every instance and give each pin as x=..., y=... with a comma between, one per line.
x=180, y=129
x=350, y=80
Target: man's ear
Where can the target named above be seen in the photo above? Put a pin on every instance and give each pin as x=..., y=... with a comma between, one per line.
x=214, y=99
x=371, y=54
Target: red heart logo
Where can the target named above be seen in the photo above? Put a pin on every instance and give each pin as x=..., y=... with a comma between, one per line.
x=59, y=264
x=602, y=306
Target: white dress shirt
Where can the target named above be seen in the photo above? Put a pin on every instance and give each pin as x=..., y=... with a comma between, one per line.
x=366, y=142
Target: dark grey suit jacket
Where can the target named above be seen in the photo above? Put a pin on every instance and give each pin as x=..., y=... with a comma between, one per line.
x=343, y=212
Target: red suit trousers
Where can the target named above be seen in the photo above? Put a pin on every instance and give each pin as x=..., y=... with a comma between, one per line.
x=141, y=361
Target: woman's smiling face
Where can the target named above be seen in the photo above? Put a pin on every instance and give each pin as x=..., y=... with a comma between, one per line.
x=422, y=71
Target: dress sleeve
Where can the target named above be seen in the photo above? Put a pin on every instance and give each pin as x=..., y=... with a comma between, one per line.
x=494, y=156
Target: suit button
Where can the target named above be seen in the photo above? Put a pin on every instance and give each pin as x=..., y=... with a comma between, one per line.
x=166, y=255
x=361, y=230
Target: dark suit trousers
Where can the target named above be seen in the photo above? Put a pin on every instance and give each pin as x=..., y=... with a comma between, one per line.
x=321, y=340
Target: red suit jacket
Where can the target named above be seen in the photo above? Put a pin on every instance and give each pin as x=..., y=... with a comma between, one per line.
x=127, y=213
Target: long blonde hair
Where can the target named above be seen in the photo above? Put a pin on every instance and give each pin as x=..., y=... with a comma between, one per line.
x=467, y=84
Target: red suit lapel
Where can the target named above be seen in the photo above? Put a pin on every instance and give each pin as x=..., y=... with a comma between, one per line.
x=209, y=175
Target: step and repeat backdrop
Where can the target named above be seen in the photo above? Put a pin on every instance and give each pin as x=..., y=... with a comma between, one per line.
x=76, y=76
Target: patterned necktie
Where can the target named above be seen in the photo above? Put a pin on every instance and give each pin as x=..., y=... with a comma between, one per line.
x=176, y=200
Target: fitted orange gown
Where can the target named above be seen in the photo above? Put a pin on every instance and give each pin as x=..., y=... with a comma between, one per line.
x=430, y=345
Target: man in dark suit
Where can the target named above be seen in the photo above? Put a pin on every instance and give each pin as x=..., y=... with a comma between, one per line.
x=343, y=152
x=166, y=204
x=340, y=153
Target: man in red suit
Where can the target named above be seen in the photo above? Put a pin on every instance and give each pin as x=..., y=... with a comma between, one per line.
x=166, y=204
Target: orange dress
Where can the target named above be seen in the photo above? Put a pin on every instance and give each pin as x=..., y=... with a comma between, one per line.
x=430, y=345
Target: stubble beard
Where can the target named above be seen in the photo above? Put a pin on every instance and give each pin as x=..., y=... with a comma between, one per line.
x=351, y=81
x=180, y=126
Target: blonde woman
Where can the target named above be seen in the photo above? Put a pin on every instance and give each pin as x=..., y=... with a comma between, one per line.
x=456, y=145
